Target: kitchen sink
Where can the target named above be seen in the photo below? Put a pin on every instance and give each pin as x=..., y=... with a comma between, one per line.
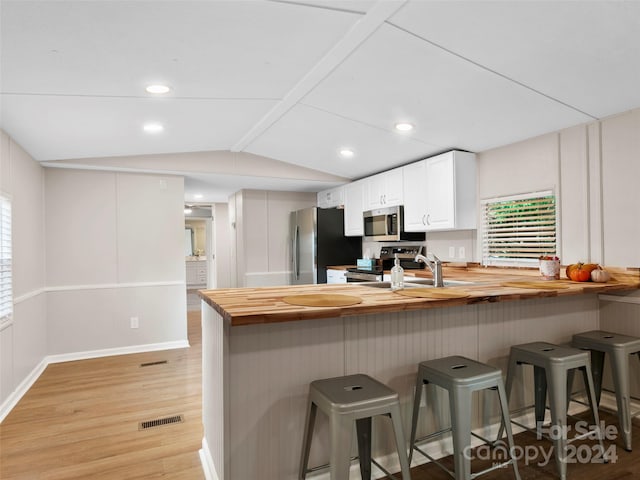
x=414, y=283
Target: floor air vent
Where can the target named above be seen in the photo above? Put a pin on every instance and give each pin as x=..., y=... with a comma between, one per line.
x=158, y=422
x=148, y=364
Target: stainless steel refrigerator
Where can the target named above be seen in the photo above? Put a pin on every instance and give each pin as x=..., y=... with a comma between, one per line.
x=317, y=240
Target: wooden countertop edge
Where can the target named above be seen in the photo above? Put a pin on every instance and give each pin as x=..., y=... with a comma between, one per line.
x=377, y=301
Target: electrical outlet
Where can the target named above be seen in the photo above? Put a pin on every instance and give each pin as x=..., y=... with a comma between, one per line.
x=461, y=252
x=452, y=252
x=135, y=323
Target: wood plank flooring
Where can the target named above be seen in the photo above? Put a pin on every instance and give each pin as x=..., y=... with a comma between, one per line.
x=80, y=421
x=625, y=467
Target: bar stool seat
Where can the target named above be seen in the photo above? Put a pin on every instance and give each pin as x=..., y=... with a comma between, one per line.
x=552, y=365
x=345, y=400
x=461, y=376
x=619, y=347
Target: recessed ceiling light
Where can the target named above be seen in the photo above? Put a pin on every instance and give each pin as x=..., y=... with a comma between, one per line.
x=404, y=127
x=153, y=128
x=198, y=196
x=346, y=153
x=157, y=88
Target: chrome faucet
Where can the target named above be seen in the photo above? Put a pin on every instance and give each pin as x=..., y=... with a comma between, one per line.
x=435, y=266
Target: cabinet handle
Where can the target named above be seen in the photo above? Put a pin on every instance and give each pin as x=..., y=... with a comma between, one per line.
x=424, y=221
x=428, y=221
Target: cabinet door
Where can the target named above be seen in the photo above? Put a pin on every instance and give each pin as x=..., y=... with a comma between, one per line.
x=394, y=187
x=415, y=196
x=440, y=192
x=353, y=207
x=384, y=190
x=375, y=189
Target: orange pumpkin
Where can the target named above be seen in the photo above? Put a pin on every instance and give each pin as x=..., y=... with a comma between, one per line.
x=580, y=272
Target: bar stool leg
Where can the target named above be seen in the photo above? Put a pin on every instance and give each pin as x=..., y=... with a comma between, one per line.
x=460, y=405
x=363, y=429
x=504, y=408
x=619, y=367
x=511, y=371
x=540, y=395
x=597, y=367
x=558, y=406
x=588, y=380
x=396, y=422
x=417, y=398
x=340, y=431
x=306, y=441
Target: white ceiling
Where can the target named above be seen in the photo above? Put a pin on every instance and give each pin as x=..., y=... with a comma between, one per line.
x=295, y=81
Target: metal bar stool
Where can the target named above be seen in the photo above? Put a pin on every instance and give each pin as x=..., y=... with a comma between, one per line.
x=619, y=347
x=461, y=376
x=551, y=366
x=345, y=400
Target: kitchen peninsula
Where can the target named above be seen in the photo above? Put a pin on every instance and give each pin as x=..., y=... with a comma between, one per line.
x=264, y=352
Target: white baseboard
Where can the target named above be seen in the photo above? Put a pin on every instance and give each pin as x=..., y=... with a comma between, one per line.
x=208, y=467
x=109, y=352
x=15, y=396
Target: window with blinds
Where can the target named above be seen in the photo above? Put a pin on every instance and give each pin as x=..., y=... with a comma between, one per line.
x=519, y=230
x=6, y=296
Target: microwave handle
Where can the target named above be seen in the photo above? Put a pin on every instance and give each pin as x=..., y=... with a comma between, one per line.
x=389, y=225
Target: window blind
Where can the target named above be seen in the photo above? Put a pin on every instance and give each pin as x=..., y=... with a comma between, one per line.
x=6, y=296
x=519, y=230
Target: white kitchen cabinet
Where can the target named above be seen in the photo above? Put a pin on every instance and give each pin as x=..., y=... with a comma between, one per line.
x=353, y=207
x=336, y=276
x=440, y=193
x=334, y=197
x=384, y=189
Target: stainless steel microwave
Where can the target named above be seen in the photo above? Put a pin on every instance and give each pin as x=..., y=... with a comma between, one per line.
x=387, y=225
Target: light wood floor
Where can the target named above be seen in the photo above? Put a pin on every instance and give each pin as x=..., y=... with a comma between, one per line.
x=80, y=419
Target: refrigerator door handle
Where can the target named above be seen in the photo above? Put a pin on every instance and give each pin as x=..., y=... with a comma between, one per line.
x=296, y=253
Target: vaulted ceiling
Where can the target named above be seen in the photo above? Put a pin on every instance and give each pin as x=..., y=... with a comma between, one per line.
x=263, y=82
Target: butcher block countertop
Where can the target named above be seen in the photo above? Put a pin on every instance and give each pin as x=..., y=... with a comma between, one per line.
x=248, y=306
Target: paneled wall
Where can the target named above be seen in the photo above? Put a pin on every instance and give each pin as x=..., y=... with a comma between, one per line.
x=114, y=251
x=260, y=237
x=23, y=341
x=593, y=169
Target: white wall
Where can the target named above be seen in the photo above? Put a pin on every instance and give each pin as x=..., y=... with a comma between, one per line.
x=261, y=247
x=23, y=342
x=594, y=171
x=620, y=139
x=221, y=246
x=114, y=251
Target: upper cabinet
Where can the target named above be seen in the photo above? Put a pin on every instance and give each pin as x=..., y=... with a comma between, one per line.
x=334, y=197
x=440, y=193
x=354, y=194
x=384, y=189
